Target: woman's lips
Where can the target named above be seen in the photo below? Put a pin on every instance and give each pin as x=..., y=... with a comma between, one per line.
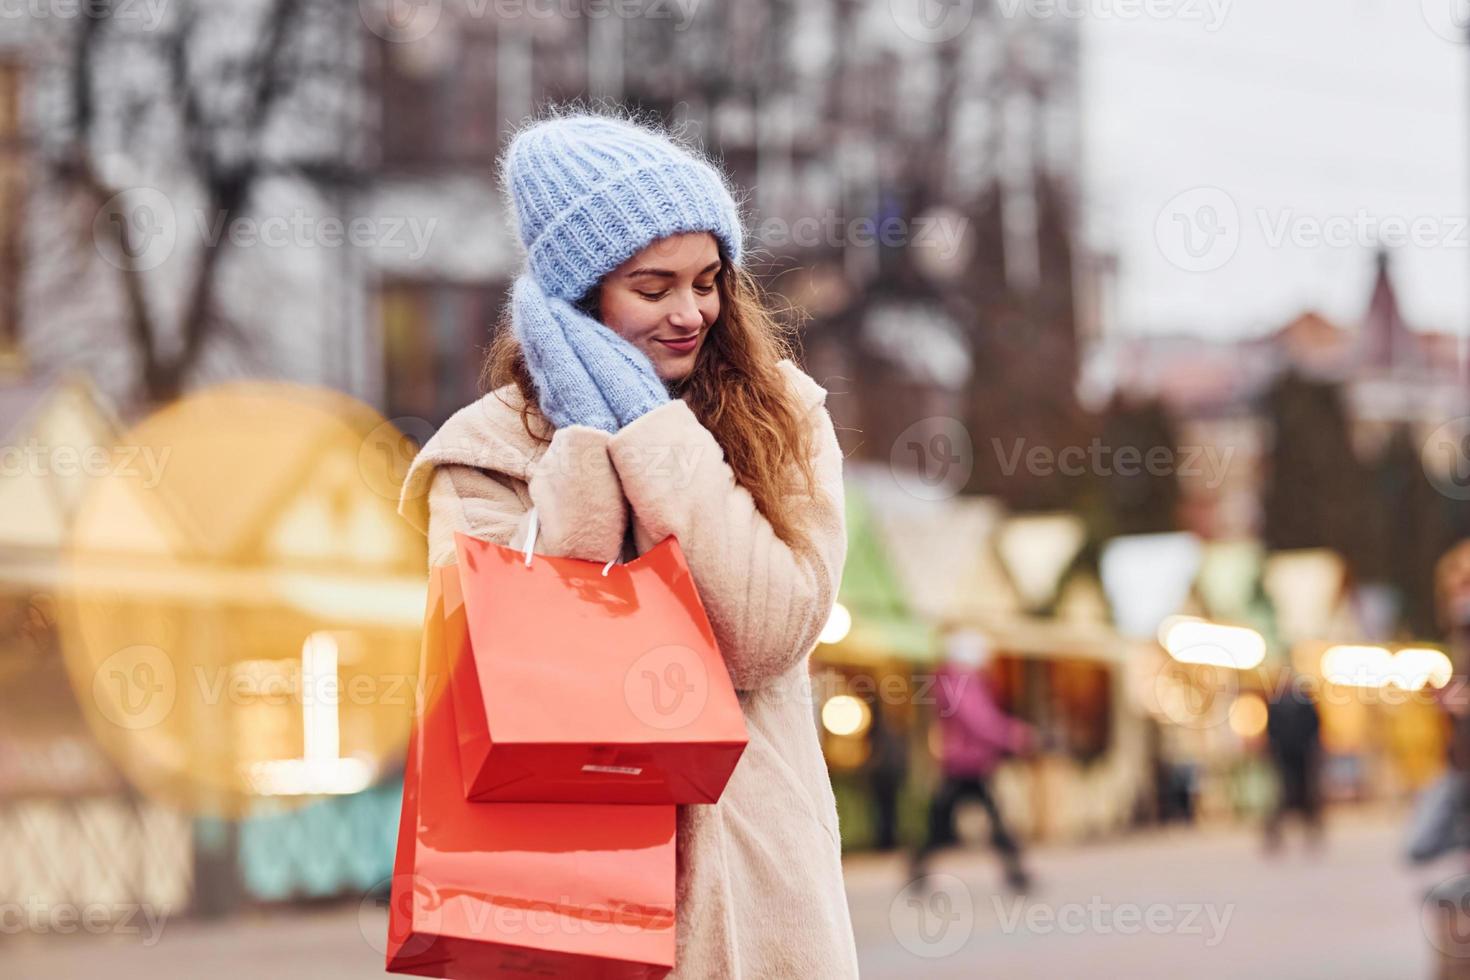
x=682, y=346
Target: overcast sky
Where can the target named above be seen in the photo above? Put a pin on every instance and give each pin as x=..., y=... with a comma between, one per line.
x=1242, y=157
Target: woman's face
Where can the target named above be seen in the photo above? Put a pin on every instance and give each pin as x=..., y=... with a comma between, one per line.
x=664, y=300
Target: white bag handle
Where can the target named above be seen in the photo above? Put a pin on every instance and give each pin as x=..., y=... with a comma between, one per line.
x=533, y=524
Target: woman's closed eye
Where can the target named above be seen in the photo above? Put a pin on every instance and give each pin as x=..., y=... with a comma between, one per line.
x=703, y=290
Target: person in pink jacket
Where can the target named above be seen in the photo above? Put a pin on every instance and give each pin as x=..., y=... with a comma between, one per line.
x=641, y=389
x=975, y=735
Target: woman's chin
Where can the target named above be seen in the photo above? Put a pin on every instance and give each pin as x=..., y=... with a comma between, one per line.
x=672, y=368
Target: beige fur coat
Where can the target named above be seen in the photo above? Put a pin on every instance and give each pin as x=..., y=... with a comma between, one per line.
x=759, y=881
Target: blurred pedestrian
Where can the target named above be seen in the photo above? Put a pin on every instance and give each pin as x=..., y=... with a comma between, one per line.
x=1442, y=819
x=887, y=769
x=975, y=736
x=1294, y=740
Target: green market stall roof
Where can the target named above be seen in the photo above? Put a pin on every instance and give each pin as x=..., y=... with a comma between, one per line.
x=884, y=626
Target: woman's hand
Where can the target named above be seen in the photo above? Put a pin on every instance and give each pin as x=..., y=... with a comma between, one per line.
x=585, y=373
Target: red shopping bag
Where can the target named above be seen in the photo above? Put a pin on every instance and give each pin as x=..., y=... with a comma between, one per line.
x=575, y=681
x=520, y=889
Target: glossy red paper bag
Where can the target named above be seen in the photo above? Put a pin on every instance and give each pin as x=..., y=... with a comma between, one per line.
x=520, y=889
x=575, y=681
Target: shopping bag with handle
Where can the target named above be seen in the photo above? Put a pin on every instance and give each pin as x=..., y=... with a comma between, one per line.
x=485, y=890
x=575, y=681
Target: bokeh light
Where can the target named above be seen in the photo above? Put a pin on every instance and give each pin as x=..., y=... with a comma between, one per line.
x=246, y=623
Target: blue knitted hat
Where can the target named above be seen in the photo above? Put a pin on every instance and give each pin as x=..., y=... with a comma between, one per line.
x=590, y=192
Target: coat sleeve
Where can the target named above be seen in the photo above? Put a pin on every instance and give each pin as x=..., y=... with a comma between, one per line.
x=766, y=600
x=580, y=506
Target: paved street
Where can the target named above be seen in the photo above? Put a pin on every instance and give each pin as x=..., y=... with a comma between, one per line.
x=1197, y=904
x=1187, y=904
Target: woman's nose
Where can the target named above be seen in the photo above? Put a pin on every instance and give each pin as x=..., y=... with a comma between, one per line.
x=686, y=316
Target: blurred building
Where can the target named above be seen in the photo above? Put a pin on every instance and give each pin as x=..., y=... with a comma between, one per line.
x=1392, y=377
x=817, y=110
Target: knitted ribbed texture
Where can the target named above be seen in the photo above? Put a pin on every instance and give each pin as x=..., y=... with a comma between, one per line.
x=589, y=193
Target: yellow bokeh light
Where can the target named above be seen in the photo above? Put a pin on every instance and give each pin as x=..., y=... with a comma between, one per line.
x=244, y=619
x=1196, y=641
x=843, y=714
x=839, y=622
x=1410, y=669
x=1418, y=667
x=1248, y=716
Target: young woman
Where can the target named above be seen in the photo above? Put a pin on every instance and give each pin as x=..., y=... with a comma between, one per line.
x=642, y=390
